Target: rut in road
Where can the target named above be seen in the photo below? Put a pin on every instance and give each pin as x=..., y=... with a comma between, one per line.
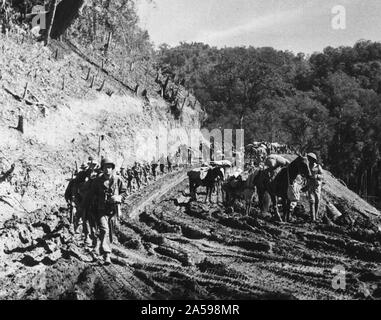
x=193, y=250
x=139, y=207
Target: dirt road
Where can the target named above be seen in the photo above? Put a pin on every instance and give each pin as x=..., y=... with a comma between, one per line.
x=170, y=248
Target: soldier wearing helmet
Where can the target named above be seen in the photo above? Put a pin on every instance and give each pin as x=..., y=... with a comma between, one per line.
x=154, y=166
x=91, y=163
x=122, y=172
x=147, y=168
x=137, y=169
x=314, y=185
x=105, y=194
x=129, y=177
x=82, y=174
x=169, y=163
x=92, y=168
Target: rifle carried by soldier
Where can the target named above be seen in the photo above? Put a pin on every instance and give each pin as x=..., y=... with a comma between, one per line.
x=114, y=200
x=114, y=221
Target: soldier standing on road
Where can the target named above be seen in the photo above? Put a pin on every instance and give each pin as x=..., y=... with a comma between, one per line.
x=82, y=174
x=178, y=159
x=130, y=177
x=148, y=171
x=154, y=166
x=92, y=168
x=122, y=173
x=106, y=195
x=85, y=210
x=314, y=185
x=137, y=174
x=162, y=164
x=144, y=174
x=169, y=163
x=91, y=163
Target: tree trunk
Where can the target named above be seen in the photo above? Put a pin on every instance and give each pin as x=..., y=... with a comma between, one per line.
x=52, y=14
x=66, y=13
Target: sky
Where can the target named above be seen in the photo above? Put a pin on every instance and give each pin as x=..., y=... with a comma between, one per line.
x=295, y=25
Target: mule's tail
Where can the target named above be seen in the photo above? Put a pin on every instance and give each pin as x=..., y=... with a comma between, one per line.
x=192, y=190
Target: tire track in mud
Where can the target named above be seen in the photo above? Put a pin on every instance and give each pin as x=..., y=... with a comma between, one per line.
x=214, y=255
x=202, y=283
x=136, y=209
x=304, y=281
x=122, y=287
x=115, y=277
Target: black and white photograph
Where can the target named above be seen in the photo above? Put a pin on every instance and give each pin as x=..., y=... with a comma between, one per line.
x=202, y=151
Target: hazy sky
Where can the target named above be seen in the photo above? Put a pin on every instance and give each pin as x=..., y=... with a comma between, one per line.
x=296, y=25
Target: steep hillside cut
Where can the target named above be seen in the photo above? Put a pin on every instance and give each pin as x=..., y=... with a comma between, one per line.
x=67, y=105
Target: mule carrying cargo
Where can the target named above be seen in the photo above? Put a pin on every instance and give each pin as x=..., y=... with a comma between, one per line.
x=274, y=161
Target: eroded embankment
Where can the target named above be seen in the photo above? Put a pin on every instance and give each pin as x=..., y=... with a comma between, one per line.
x=69, y=115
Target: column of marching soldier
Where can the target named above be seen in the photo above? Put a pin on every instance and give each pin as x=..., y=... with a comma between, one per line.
x=97, y=191
x=95, y=194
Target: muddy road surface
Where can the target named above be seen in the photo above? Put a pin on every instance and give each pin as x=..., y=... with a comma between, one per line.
x=171, y=248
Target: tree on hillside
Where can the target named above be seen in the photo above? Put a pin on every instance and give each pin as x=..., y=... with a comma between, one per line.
x=307, y=122
x=329, y=102
x=50, y=22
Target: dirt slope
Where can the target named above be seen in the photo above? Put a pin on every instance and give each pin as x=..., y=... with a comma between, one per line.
x=64, y=116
